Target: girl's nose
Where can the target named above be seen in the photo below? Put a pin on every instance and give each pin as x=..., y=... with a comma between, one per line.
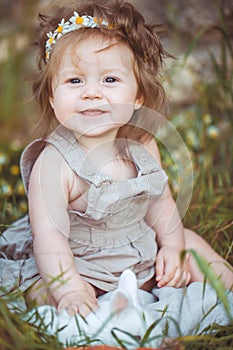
x=92, y=91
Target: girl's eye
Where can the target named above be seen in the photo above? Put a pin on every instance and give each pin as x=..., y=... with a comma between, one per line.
x=75, y=81
x=110, y=80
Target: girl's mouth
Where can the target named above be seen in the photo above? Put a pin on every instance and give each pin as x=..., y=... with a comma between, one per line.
x=92, y=112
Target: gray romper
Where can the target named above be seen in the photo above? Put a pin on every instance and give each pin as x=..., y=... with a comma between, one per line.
x=109, y=237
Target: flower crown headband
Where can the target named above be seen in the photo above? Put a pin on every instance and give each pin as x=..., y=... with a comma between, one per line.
x=74, y=23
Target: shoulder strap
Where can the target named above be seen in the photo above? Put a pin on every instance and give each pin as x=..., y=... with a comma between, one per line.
x=143, y=159
x=28, y=158
x=66, y=144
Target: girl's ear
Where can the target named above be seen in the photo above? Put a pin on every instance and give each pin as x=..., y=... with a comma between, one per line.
x=139, y=102
x=51, y=101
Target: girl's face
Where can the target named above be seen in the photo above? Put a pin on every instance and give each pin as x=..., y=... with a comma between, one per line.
x=94, y=88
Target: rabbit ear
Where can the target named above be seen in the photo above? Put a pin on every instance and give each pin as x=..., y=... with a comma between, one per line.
x=128, y=280
x=119, y=302
x=128, y=283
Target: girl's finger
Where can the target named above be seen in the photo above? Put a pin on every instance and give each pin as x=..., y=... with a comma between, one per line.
x=72, y=310
x=174, y=278
x=159, y=268
x=168, y=275
x=183, y=279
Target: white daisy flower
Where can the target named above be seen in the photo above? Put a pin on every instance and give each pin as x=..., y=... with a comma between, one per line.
x=87, y=20
x=63, y=28
x=104, y=23
x=49, y=43
x=78, y=21
x=51, y=39
x=93, y=22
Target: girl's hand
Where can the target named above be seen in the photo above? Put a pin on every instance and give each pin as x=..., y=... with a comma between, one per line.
x=82, y=301
x=170, y=271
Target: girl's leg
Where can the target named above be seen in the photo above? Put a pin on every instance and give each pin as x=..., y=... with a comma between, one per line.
x=219, y=265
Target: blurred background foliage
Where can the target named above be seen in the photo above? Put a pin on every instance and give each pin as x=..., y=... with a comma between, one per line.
x=17, y=35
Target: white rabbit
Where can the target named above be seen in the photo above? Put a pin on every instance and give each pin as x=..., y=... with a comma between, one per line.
x=127, y=314
x=120, y=315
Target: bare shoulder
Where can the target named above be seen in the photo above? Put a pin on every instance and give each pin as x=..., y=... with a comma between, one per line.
x=153, y=149
x=51, y=168
x=49, y=154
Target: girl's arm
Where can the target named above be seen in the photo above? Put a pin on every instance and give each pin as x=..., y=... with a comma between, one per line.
x=49, y=188
x=163, y=217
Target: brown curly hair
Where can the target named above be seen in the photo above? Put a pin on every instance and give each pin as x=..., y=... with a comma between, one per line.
x=128, y=26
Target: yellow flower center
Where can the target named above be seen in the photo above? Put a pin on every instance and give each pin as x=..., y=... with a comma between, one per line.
x=97, y=20
x=59, y=29
x=79, y=20
x=51, y=40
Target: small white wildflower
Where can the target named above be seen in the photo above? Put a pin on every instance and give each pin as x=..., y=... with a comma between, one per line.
x=213, y=132
x=6, y=189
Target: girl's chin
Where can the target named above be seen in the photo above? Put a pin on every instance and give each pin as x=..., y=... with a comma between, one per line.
x=97, y=132
x=92, y=129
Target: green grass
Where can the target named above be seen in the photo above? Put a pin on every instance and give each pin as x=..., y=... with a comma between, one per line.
x=20, y=335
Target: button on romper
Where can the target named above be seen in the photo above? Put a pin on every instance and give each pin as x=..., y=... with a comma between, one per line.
x=109, y=237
